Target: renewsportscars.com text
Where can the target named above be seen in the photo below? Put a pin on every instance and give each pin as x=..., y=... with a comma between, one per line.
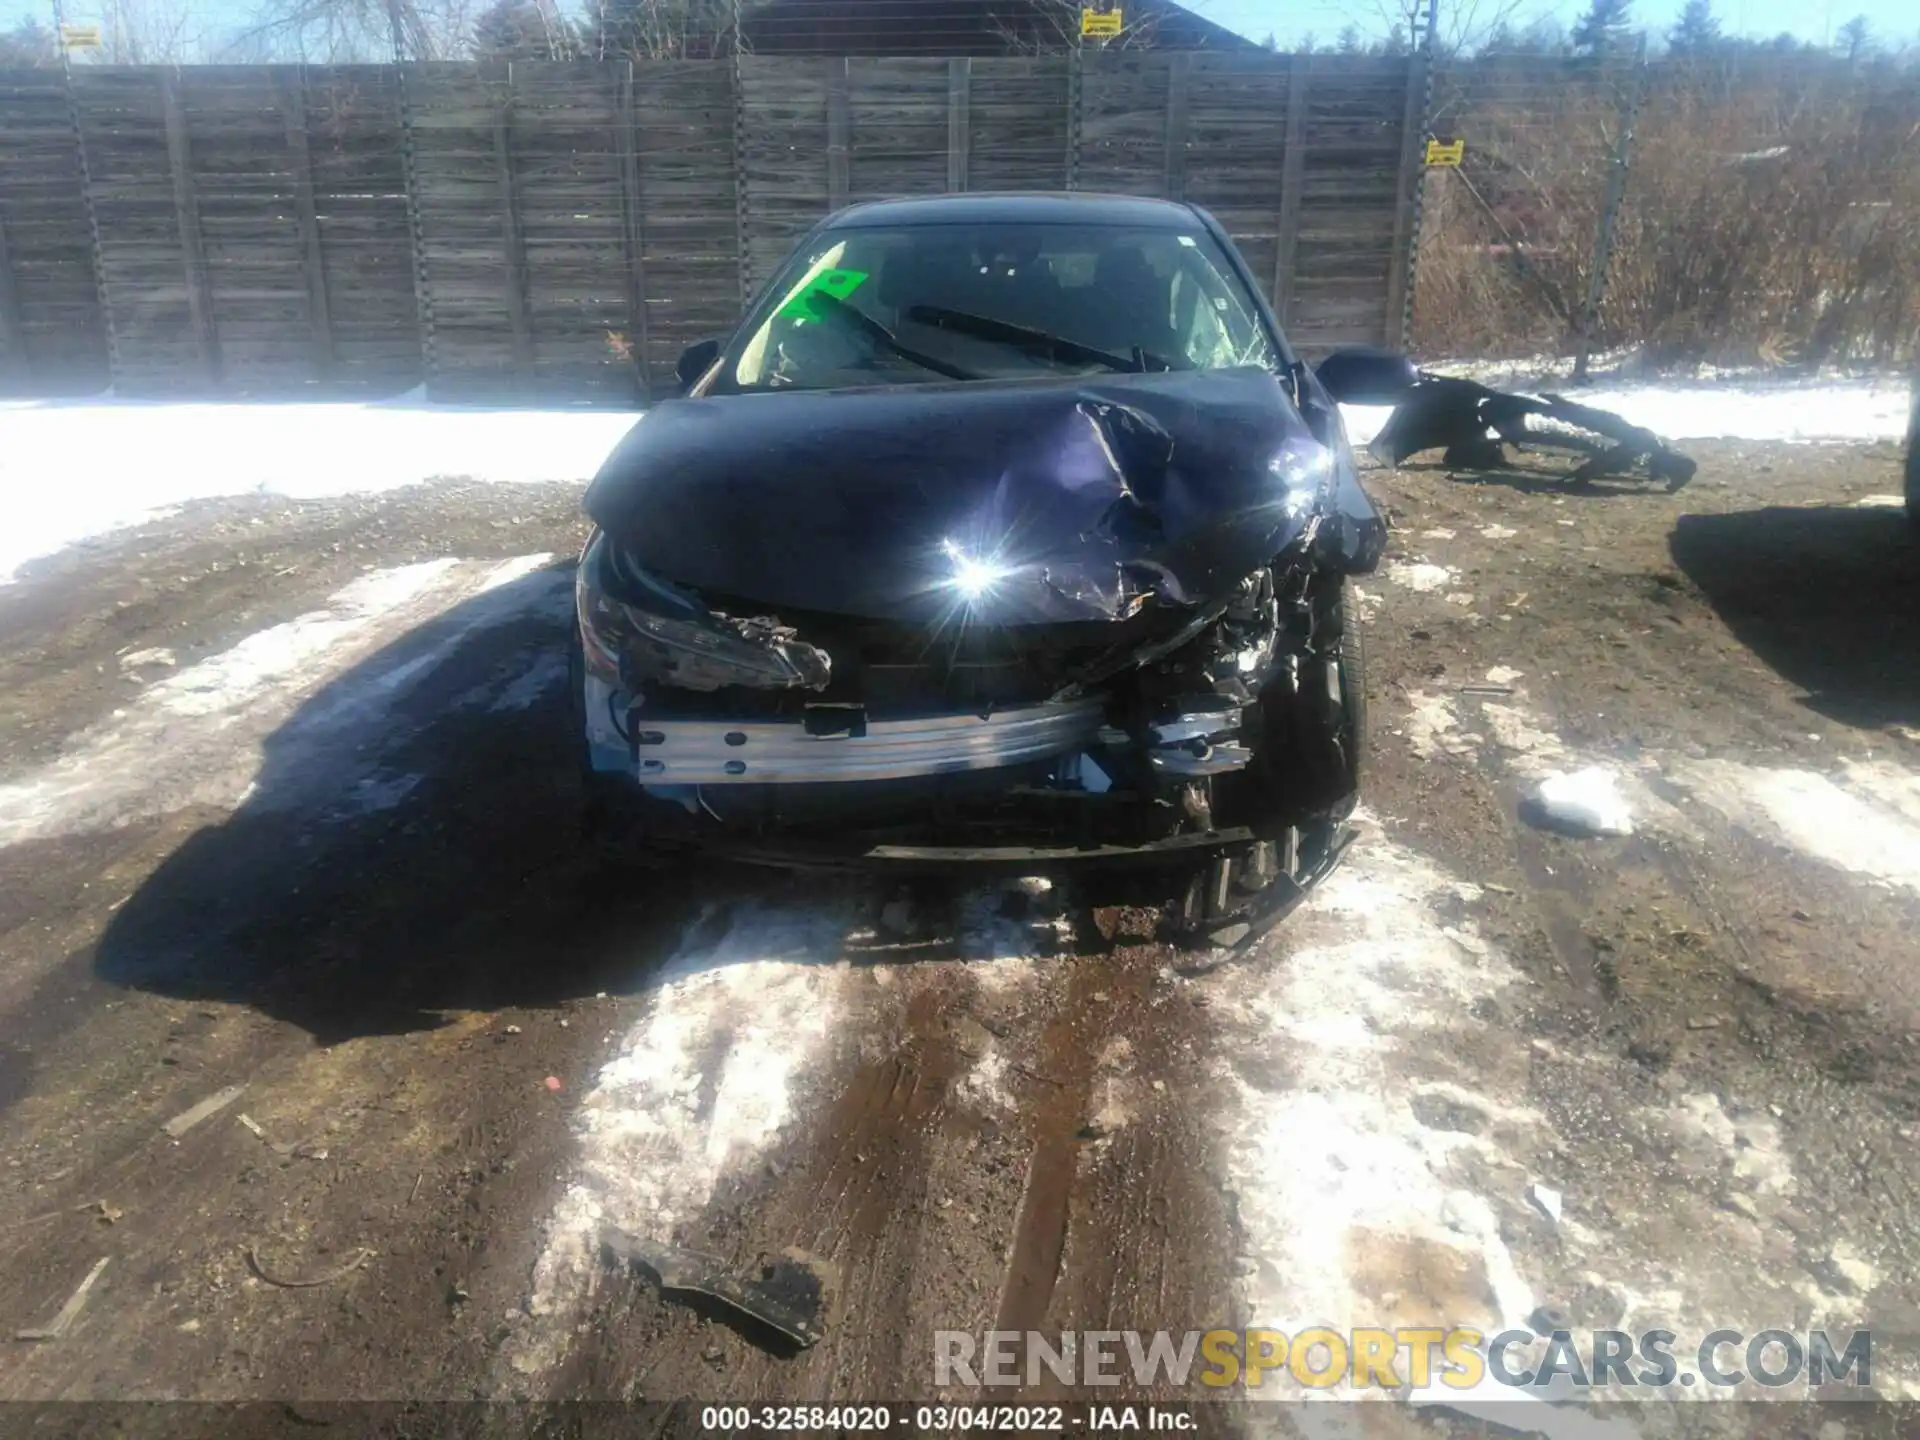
x=1365, y=1359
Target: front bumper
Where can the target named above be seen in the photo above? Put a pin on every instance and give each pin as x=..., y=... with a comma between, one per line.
x=720, y=752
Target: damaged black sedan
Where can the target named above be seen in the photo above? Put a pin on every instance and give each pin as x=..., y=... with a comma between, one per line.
x=1006, y=531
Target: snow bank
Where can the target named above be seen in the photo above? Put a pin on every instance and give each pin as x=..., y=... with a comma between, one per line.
x=1830, y=411
x=71, y=471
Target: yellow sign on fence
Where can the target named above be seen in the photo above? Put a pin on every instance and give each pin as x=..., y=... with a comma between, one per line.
x=1450, y=154
x=1100, y=24
x=80, y=37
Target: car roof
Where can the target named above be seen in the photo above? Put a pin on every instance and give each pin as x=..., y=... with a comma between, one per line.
x=993, y=208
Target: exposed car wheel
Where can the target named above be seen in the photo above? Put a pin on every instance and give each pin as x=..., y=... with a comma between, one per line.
x=1317, y=737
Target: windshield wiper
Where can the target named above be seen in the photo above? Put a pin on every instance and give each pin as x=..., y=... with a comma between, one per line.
x=825, y=304
x=1037, y=342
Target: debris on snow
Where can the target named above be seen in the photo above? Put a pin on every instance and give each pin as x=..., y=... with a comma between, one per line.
x=1583, y=804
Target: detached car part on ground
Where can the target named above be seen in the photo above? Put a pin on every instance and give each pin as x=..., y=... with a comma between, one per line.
x=1006, y=532
x=1474, y=424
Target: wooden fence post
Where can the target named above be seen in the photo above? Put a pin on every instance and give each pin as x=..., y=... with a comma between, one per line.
x=101, y=298
x=1179, y=74
x=187, y=215
x=513, y=242
x=13, y=335
x=293, y=106
x=742, y=226
x=1293, y=176
x=1074, y=86
x=1413, y=125
x=959, y=123
x=839, y=126
x=635, y=236
x=416, y=231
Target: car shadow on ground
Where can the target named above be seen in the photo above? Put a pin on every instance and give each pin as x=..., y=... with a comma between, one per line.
x=411, y=846
x=1827, y=596
x=1537, y=475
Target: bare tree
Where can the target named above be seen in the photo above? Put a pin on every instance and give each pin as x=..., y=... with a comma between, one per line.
x=28, y=46
x=346, y=31
x=1460, y=28
x=525, y=30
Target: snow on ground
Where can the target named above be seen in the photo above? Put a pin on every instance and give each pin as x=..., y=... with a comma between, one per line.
x=1349, y=1207
x=72, y=471
x=1865, y=818
x=1861, y=816
x=250, y=723
x=701, y=1086
x=1835, y=410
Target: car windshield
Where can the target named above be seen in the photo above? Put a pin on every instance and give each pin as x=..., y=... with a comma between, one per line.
x=932, y=303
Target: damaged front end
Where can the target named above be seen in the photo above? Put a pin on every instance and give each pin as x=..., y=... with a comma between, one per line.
x=1102, y=655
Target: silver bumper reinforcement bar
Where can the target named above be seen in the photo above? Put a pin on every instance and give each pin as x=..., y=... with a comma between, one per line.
x=719, y=752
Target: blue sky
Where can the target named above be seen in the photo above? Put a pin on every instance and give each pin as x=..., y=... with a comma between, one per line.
x=1816, y=20
x=1807, y=19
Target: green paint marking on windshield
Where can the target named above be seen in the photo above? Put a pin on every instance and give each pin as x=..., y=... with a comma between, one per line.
x=837, y=283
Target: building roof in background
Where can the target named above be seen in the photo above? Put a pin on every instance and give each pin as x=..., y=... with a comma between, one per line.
x=964, y=27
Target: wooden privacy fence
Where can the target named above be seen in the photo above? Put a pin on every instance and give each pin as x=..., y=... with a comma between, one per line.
x=513, y=232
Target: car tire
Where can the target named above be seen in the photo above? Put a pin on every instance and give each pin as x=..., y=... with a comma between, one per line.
x=1316, y=738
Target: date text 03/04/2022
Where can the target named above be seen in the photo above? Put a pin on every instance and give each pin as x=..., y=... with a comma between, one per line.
x=942, y=1419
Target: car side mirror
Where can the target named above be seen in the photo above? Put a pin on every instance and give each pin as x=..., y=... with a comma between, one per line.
x=1364, y=375
x=695, y=361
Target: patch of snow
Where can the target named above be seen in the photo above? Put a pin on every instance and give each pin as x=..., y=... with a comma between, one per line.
x=1585, y=802
x=1363, y=422
x=700, y=1087
x=1433, y=726
x=1503, y=675
x=546, y=673
x=1497, y=532
x=216, y=720
x=73, y=471
x=1517, y=730
x=986, y=1083
x=1827, y=410
x=1866, y=820
x=1418, y=575
x=1436, y=534
x=1881, y=502
x=1351, y=1210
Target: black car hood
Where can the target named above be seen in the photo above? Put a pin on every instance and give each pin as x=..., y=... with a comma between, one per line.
x=1083, y=497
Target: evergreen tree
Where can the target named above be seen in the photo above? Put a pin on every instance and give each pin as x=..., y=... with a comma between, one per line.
x=1855, y=40
x=1603, y=27
x=1697, y=31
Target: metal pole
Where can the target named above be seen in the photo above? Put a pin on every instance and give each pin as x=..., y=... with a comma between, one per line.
x=1609, y=212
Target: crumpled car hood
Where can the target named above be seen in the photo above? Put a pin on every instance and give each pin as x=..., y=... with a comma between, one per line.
x=1059, y=500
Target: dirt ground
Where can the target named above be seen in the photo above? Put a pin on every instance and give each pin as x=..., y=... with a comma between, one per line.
x=340, y=870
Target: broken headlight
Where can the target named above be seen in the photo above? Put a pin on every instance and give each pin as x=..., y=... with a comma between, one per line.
x=636, y=629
